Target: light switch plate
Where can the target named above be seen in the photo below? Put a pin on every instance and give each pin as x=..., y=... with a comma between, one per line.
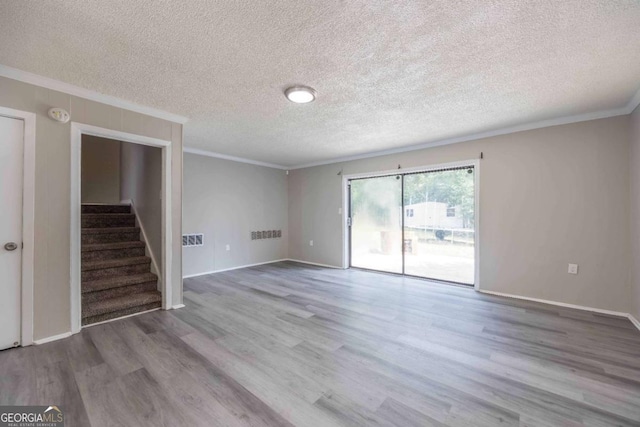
x=573, y=268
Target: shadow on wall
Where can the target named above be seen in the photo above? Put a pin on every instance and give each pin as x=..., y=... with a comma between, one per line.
x=116, y=172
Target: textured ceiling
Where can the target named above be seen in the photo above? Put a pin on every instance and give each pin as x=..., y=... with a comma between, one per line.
x=388, y=73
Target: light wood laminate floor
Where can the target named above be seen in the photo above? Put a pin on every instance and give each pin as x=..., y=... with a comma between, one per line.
x=288, y=344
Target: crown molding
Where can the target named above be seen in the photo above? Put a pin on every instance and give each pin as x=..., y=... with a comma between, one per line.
x=504, y=131
x=232, y=158
x=634, y=102
x=49, y=83
x=628, y=109
x=57, y=85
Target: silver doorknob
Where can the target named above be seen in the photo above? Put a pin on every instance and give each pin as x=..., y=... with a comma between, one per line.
x=11, y=246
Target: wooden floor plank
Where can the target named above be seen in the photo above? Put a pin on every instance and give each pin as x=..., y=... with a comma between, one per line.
x=289, y=344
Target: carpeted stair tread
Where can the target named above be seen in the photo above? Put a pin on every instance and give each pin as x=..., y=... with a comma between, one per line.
x=122, y=291
x=121, y=313
x=111, y=263
x=109, y=215
x=116, y=275
x=111, y=246
x=108, y=220
x=116, y=282
x=126, y=302
x=110, y=230
x=89, y=208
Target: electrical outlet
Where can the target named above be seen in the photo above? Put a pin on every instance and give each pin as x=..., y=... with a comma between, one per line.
x=310, y=242
x=573, y=268
x=339, y=211
x=228, y=247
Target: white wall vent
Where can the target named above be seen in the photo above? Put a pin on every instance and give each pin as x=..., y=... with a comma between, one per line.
x=268, y=234
x=192, y=240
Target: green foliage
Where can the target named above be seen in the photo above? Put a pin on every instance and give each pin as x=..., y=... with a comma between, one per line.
x=454, y=187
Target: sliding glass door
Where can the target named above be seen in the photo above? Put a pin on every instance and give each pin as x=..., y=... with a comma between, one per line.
x=376, y=223
x=439, y=225
x=419, y=224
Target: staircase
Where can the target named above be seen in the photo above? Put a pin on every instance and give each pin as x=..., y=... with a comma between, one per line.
x=116, y=274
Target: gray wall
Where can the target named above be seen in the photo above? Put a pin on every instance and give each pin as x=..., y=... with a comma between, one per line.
x=227, y=200
x=52, y=191
x=140, y=181
x=100, y=170
x=635, y=212
x=548, y=197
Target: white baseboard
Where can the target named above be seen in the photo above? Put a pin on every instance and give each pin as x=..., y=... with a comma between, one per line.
x=560, y=304
x=52, y=338
x=232, y=268
x=314, y=263
x=68, y=334
x=629, y=316
x=633, y=320
x=120, y=318
x=259, y=263
x=177, y=306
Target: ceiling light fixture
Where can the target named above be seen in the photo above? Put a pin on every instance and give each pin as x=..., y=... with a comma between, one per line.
x=300, y=94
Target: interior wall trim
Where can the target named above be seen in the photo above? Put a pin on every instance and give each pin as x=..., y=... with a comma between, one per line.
x=77, y=130
x=59, y=86
x=232, y=158
x=152, y=255
x=633, y=103
x=316, y=263
x=260, y=263
x=631, y=318
x=52, y=338
x=232, y=268
x=120, y=318
x=475, y=136
x=567, y=305
x=635, y=321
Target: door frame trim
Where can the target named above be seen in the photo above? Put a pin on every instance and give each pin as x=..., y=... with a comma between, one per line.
x=77, y=130
x=28, y=220
x=346, y=251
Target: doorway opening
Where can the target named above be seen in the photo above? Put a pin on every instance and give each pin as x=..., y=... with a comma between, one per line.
x=421, y=222
x=121, y=228
x=120, y=225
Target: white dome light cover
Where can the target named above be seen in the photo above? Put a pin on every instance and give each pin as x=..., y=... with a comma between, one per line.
x=300, y=94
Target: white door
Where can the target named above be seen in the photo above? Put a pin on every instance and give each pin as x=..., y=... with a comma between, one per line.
x=11, y=164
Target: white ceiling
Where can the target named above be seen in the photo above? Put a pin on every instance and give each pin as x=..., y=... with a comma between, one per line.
x=389, y=74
